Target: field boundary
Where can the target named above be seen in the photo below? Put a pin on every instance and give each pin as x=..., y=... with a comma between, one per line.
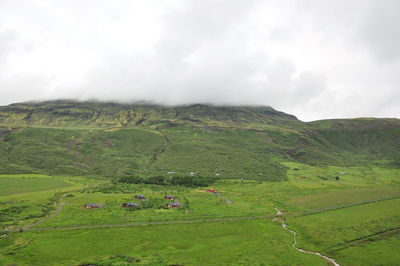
x=333, y=208
x=150, y=223
x=353, y=241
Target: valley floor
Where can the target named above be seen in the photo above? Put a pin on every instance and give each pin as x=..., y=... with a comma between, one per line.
x=354, y=220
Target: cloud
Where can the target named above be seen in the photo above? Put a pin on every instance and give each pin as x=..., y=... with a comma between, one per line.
x=381, y=30
x=314, y=59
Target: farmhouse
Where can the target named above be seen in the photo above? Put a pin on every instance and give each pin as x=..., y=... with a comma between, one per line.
x=93, y=205
x=212, y=190
x=141, y=197
x=130, y=205
x=173, y=205
x=169, y=197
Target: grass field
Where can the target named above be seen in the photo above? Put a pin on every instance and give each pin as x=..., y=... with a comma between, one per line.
x=345, y=220
x=337, y=183
x=248, y=200
x=27, y=198
x=16, y=184
x=374, y=250
x=330, y=230
x=244, y=242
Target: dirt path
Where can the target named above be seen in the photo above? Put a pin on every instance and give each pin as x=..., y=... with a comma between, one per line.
x=207, y=220
x=222, y=197
x=279, y=213
x=46, y=218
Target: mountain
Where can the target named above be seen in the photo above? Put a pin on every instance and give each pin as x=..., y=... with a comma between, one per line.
x=94, y=114
x=117, y=140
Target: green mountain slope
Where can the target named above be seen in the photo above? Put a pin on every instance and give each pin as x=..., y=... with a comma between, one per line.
x=93, y=114
x=113, y=140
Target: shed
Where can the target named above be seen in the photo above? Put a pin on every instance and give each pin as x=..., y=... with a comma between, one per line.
x=141, y=197
x=130, y=205
x=169, y=197
x=211, y=190
x=173, y=205
x=92, y=205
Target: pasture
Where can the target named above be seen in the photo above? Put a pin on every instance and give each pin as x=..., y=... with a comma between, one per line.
x=23, y=183
x=330, y=230
x=349, y=219
x=27, y=198
x=217, y=243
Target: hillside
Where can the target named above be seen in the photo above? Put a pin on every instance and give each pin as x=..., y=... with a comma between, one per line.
x=94, y=114
x=115, y=140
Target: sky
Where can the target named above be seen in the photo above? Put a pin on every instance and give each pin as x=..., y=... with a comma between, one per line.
x=311, y=58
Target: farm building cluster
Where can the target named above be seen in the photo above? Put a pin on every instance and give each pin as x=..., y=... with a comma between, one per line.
x=173, y=204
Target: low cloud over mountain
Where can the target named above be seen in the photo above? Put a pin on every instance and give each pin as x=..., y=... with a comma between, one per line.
x=315, y=59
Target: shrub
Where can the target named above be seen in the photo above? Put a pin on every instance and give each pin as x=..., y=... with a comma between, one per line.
x=187, y=181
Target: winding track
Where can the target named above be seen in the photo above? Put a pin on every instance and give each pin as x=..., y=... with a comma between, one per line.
x=46, y=218
x=222, y=197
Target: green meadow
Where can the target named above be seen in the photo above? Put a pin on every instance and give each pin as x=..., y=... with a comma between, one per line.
x=218, y=243
x=16, y=184
x=337, y=220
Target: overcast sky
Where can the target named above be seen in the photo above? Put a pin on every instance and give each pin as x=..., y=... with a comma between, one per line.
x=314, y=59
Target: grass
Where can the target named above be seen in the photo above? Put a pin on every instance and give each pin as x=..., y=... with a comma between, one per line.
x=328, y=229
x=111, y=140
x=16, y=184
x=373, y=251
x=227, y=243
x=247, y=202
x=228, y=153
x=341, y=173
x=332, y=232
x=110, y=153
x=343, y=197
x=33, y=197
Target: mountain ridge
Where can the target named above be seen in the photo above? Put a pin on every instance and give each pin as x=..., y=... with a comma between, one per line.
x=116, y=114
x=114, y=140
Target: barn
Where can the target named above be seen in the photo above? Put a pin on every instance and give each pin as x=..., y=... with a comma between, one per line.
x=130, y=205
x=141, y=197
x=93, y=205
x=173, y=205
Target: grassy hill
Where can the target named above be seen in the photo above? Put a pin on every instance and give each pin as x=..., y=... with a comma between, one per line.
x=117, y=140
x=94, y=114
x=335, y=183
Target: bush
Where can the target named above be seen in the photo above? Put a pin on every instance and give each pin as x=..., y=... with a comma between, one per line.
x=187, y=181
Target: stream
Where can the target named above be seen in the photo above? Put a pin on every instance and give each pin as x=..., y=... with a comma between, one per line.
x=279, y=213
